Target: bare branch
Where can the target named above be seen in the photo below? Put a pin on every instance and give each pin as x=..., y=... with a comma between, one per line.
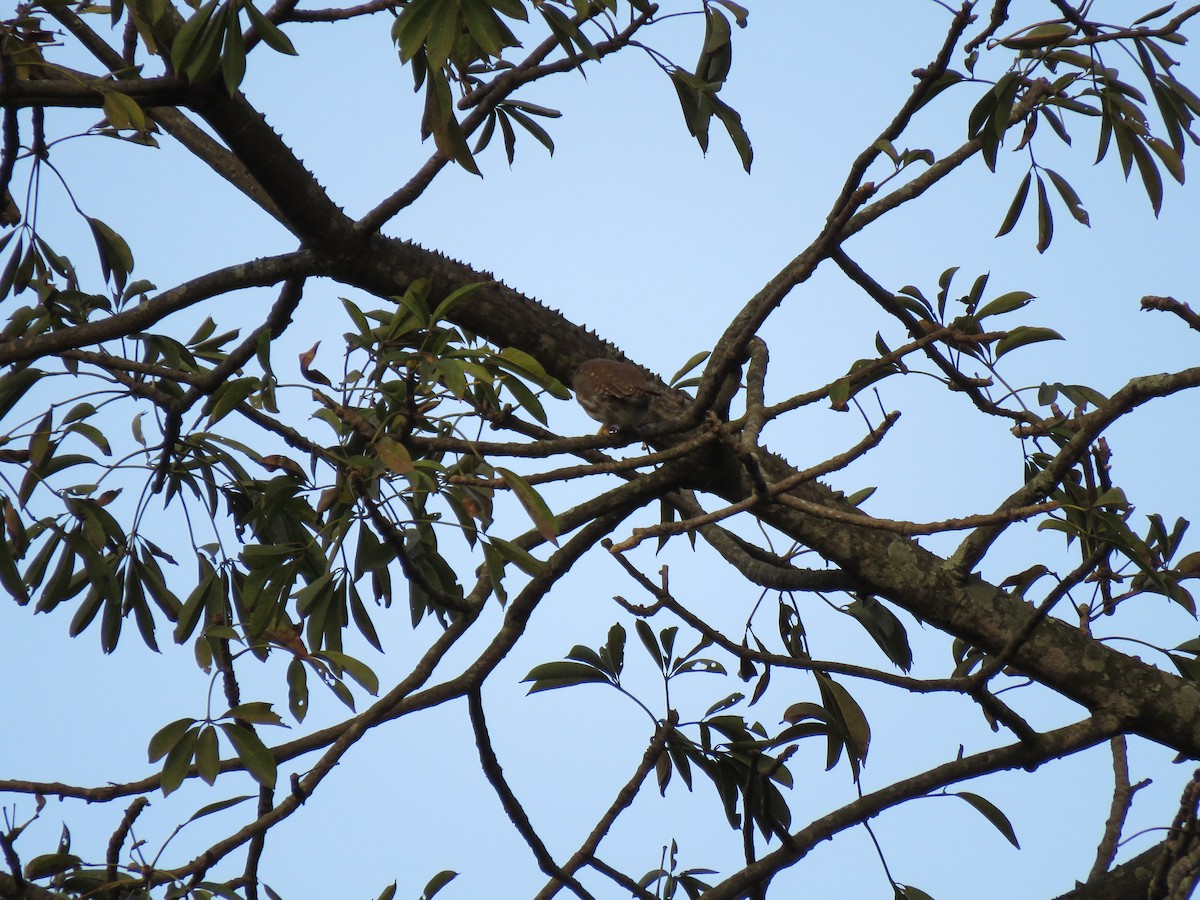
x=587, y=850
x=1171, y=305
x=512, y=806
x=1122, y=799
x=113, y=857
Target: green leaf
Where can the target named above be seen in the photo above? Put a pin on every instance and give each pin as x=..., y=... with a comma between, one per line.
x=217, y=807
x=857, y=730
x=412, y=26
x=613, y=651
x=297, y=680
x=1171, y=159
x=1069, y=197
x=732, y=121
x=110, y=623
x=526, y=399
x=454, y=298
x=725, y=703
x=741, y=15
x=93, y=434
x=229, y=396
x=1045, y=218
x=208, y=758
x=523, y=560
x=486, y=28
x=356, y=669
x=271, y=35
x=1151, y=180
x=123, y=112
x=167, y=737
x=394, y=455
x=193, y=607
x=443, y=32
x=543, y=519
x=116, y=259
x=884, y=628
x=1025, y=334
x=186, y=38
x=86, y=612
x=687, y=367
x=50, y=864
x=1039, y=36
x=362, y=620
x=252, y=752
x=1154, y=14
x=175, y=767
x=13, y=386
x=436, y=883
x=257, y=712
x=567, y=34
x=233, y=57
x=839, y=394
x=540, y=134
x=990, y=812
x=1005, y=303
x=650, y=642
x=549, y=676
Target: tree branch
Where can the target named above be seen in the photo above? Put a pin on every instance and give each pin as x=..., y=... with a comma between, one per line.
x=512, y=807
x=258, y=273
x=625, y=795
x=1059, y=742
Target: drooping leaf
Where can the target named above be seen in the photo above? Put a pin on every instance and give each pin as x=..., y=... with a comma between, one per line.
x=543, y=519
x=252, y=752
x=167, y=737
x=992, y=813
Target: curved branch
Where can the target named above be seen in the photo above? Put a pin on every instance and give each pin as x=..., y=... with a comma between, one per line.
x=1057, y=743
x=512, y=806
x=730, y=349
x=775, y=492
x=758, y=565
x=887, y=301
x=1089, y=427
x=624, y=797
x=258, y=273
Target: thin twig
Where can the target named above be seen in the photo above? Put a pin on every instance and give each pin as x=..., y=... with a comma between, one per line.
x=774, y=491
